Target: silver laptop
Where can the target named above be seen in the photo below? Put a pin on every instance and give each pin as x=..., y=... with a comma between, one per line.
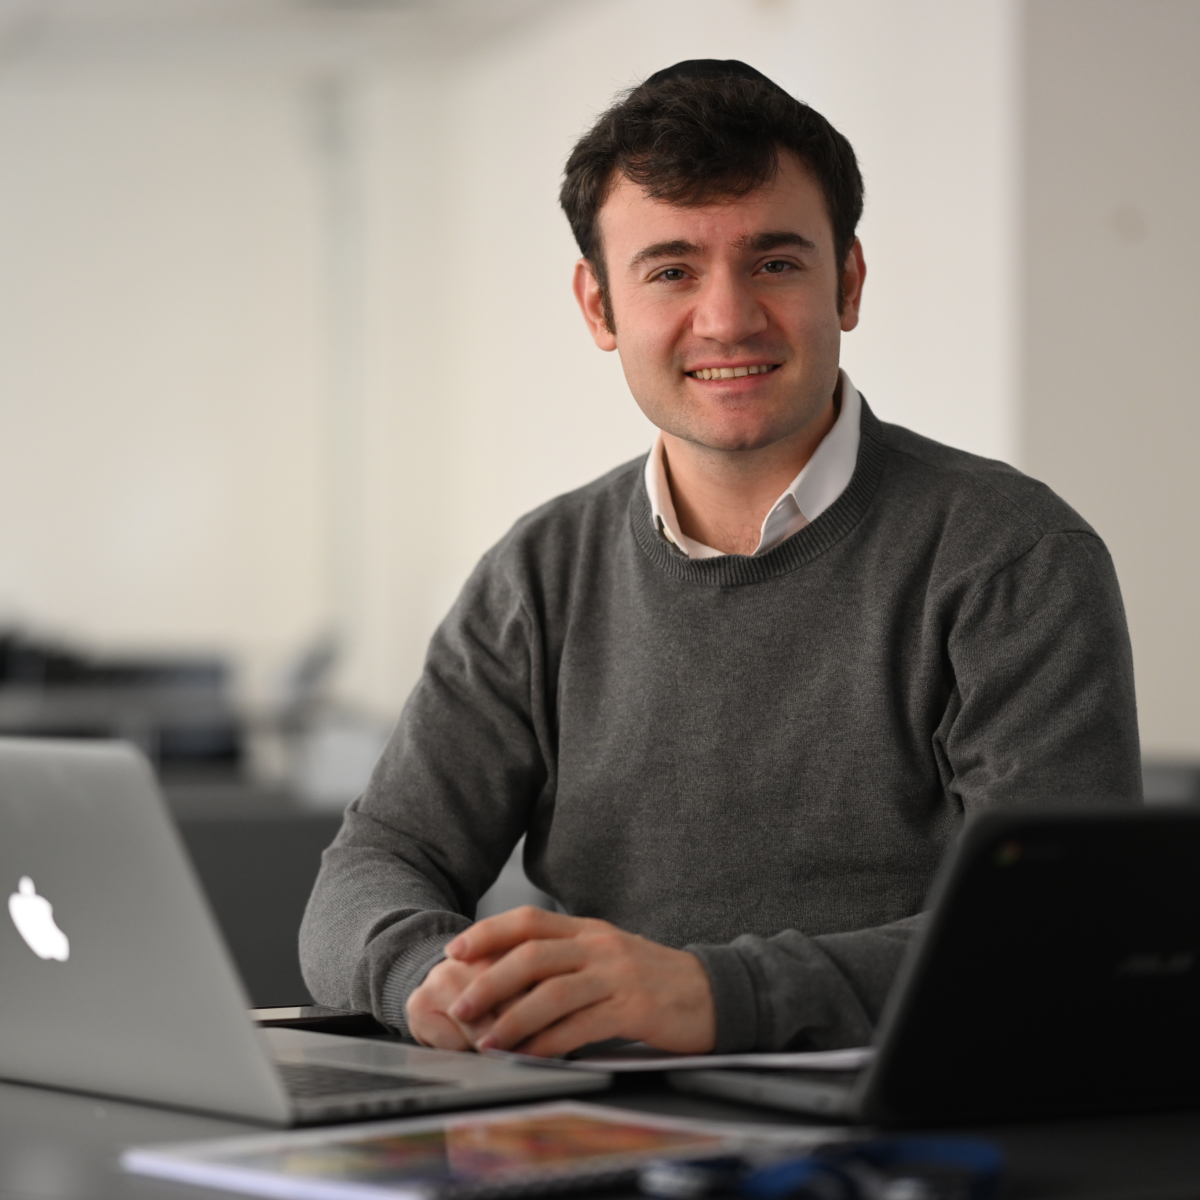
x=114, y=979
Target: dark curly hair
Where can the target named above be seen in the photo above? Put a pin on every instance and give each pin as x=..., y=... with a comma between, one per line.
x=700, y=131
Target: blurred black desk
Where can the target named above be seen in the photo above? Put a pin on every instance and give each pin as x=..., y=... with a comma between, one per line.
x=256, y=852
x=58, y=1146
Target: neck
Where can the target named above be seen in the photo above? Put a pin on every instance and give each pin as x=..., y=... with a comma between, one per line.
x=722, y=497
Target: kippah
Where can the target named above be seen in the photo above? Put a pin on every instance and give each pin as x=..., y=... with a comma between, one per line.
x=712, y=68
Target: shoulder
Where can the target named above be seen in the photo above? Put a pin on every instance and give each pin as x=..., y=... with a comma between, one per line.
x=954, y=484
x=974, y=521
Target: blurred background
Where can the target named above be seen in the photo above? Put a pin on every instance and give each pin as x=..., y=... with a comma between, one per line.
x=287, y=341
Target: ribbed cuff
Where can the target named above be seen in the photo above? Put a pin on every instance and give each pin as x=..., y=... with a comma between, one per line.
x=733, y=998
x=406, y=975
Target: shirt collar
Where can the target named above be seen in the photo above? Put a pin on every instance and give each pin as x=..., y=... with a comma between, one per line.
x=821, y=481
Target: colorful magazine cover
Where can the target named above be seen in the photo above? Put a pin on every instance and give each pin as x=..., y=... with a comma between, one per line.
x=464, y=1156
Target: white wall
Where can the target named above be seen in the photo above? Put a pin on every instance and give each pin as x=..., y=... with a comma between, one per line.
x=1112, y=293
x=161, y=428
x=172, y=433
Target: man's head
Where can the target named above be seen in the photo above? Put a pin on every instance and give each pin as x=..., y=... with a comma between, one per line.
x=701, y=131
x=716, y=216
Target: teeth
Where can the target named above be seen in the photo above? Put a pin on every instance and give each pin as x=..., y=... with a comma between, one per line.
x=730, y=372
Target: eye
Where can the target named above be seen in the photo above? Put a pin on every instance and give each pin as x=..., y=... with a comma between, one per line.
x=777, y=266
x=672, y=275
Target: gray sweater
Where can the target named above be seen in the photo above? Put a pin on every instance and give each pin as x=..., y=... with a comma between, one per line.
x=761, y=759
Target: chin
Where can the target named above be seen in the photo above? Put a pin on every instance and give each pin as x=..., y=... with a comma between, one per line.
x=733, y=440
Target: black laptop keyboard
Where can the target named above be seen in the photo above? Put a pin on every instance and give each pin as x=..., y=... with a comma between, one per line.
x=307, y=1081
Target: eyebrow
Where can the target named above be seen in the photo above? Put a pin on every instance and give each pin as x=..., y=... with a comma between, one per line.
x=675, y=249
x=775, y=239
x=759, y=243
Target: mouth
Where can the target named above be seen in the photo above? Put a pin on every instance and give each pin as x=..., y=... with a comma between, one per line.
x=732, y=372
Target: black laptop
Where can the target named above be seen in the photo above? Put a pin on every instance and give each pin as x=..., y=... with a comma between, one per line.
x=1059, y=975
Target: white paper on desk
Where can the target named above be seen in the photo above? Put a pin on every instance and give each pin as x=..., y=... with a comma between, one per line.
x=639, y=1057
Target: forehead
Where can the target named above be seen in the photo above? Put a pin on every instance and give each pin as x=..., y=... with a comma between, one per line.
x=630, y=219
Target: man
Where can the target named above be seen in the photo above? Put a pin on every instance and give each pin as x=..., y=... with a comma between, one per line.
x=737, y=695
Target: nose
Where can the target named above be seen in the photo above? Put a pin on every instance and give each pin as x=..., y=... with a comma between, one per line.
x=727, y=310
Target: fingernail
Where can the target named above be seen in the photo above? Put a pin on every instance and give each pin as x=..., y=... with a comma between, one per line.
x=487, y=1042
x=460, y=1010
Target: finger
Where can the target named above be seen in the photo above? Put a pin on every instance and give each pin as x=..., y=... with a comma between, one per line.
x=596, y=1023
x=499, y=934
x=475, y=1031
x=428, y=1019
x=550, y=1002
x=439, y=1031
x=515, y=973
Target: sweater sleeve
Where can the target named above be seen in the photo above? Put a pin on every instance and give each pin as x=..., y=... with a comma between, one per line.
x=449, y=799
x=1041, y=713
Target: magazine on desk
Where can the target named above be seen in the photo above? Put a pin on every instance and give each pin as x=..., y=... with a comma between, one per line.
x=490, y=1155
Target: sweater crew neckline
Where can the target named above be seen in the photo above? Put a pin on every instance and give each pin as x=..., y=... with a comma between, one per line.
x=801, y=548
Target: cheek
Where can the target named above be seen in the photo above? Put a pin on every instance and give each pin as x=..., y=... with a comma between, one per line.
x=637, y=358
x=650, y=370
x=650, y=382
x=647, y=337
x=813, y=331
x=639, y=375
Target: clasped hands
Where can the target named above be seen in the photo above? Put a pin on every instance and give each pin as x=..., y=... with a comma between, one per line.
x=544, y=983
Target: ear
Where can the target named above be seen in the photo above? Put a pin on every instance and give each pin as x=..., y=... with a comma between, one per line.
x=591, y=304
x=853, y=274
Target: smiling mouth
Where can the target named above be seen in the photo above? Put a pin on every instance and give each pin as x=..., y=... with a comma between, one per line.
x=732, y=372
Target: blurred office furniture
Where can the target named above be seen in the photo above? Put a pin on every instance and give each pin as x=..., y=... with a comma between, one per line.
x=322, y=748
x=179, y=710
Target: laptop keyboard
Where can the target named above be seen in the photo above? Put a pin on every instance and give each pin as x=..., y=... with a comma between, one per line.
x=307, y=1081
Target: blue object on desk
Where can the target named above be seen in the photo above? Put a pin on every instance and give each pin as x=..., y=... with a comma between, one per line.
x=917, y=1168
x=812, y=1175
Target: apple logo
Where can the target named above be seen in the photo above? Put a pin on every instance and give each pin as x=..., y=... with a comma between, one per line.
x=33, y=915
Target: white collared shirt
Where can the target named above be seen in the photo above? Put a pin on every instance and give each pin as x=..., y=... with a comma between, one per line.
x=821, y=481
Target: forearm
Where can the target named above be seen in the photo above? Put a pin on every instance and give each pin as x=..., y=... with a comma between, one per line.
x=374, y=926
x=792, y=992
